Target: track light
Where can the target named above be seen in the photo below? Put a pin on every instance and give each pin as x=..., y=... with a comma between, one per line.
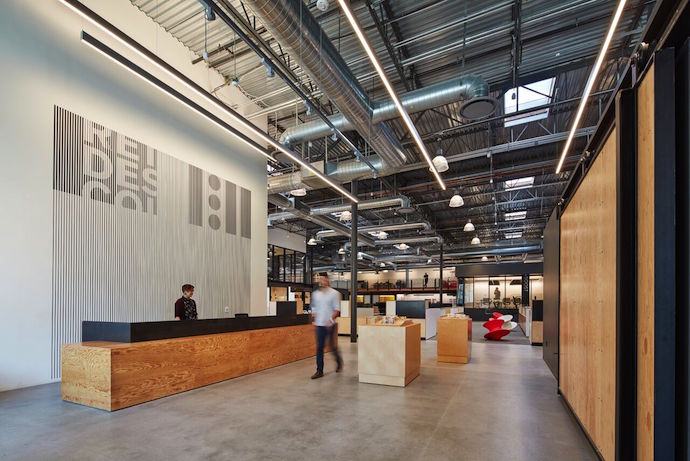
x=151, y=58
x=469, y=227
x=590, y=82
x=391, y=91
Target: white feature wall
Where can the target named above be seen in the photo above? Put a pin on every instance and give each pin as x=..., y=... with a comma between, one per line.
x=45, y=65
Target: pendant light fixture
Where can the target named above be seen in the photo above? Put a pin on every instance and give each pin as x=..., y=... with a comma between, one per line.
x=345, y=216
x=484, y=258
x=341, y=251
x=476, y=241
x=456, y=201
x=469, y=227
x=312, y=241
x=301, y=192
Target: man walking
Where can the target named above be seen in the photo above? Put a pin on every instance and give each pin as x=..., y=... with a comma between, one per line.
x=325, y=306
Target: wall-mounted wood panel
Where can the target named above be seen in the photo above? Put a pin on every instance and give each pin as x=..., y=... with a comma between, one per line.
x=645, y=267
x=587, y=356
x=112, y=376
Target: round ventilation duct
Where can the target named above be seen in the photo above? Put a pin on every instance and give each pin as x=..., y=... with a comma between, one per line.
x=479, y=107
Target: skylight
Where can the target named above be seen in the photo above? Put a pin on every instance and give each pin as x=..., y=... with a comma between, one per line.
x=520, y=183
x=526, y=97
x=515, y=215
x=514, y=235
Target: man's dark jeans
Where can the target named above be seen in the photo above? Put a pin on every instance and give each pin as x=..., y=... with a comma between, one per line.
x=322, y=335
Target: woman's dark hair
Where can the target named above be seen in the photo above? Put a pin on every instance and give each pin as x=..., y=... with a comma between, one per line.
x=187, y=287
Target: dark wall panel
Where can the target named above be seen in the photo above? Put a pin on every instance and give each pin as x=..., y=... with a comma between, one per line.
x=551, y=291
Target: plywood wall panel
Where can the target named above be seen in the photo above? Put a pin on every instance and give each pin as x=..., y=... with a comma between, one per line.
x=645, y=267
x=587, y=326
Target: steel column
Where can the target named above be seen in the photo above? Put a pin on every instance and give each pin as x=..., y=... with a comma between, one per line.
x=353, y=267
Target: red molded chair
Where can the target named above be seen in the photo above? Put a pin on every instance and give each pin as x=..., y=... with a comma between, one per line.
x=493, y=324
x=496, y=335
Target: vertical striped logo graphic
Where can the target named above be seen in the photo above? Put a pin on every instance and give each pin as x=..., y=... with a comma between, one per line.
x=98, y=163
x=131, y=225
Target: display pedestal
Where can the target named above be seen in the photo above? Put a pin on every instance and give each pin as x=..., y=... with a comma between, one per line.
x=453, y=339
x=389, y=354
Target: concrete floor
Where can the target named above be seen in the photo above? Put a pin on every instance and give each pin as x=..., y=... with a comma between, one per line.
x=501, y=406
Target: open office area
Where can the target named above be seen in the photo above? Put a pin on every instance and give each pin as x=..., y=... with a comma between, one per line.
x=345, y=229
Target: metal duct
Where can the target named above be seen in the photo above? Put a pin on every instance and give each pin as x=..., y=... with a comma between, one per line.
x=436, y=239
x=293, y=25
x=465, y=88
x=385, y=227
x=399, y=201
x=504, y=251
x=409, y=240
x=328, y=223
x=341, y=172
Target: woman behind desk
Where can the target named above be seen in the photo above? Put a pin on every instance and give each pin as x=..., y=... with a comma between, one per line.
x=185, y=307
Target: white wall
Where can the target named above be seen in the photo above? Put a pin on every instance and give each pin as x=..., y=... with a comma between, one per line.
x=285, y=239
x=45, y=64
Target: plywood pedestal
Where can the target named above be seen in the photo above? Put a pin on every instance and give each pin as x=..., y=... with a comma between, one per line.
x=111, y=376
x=452, y=340
x=389, y=355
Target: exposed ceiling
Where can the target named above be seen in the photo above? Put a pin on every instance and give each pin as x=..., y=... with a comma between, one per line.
x=422, y=43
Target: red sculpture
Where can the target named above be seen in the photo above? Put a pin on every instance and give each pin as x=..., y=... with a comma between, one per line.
x=495, y=327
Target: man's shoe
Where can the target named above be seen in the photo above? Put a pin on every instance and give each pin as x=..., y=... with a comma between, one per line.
x=317, y=375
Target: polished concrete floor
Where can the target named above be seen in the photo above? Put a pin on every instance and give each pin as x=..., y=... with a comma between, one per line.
x=501, y=406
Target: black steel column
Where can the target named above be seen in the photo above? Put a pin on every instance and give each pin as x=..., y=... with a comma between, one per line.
x=440, y=278
x=353, y=267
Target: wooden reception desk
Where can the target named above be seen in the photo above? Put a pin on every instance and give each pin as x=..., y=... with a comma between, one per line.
x=112, y=375
x=453, y=339
x=389, y=354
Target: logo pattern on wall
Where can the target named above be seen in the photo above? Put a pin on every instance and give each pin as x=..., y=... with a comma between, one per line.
x=131, y=225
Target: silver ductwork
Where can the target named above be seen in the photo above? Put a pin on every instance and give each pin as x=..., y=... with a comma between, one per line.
x=341, y=172
x=502, y=251
x=397, y=202
x=432, y=238
x=466, y=88
x=385, y=227
x=291, y=23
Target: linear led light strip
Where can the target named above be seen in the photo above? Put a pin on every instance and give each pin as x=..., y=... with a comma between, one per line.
x=403, y=113
x=590, y=82
x=121, y=37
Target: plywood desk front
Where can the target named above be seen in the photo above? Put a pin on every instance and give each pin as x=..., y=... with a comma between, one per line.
x=112, y=375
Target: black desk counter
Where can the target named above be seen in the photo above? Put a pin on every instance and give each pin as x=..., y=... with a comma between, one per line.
x=125, y=332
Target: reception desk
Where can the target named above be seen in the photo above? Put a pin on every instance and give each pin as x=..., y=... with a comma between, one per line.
x=389, y=354
x=124, y=364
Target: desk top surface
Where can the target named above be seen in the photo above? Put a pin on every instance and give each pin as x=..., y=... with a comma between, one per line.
x=131, y=332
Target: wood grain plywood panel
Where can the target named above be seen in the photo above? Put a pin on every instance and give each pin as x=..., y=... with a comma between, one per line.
x=118, y=375
x=645, y=267
x=389, y=355
x=452, y=342
x=86, y=375
x=588, y=301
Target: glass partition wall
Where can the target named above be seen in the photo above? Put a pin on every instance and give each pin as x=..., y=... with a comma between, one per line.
x=289, y=266
x=500, y=292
